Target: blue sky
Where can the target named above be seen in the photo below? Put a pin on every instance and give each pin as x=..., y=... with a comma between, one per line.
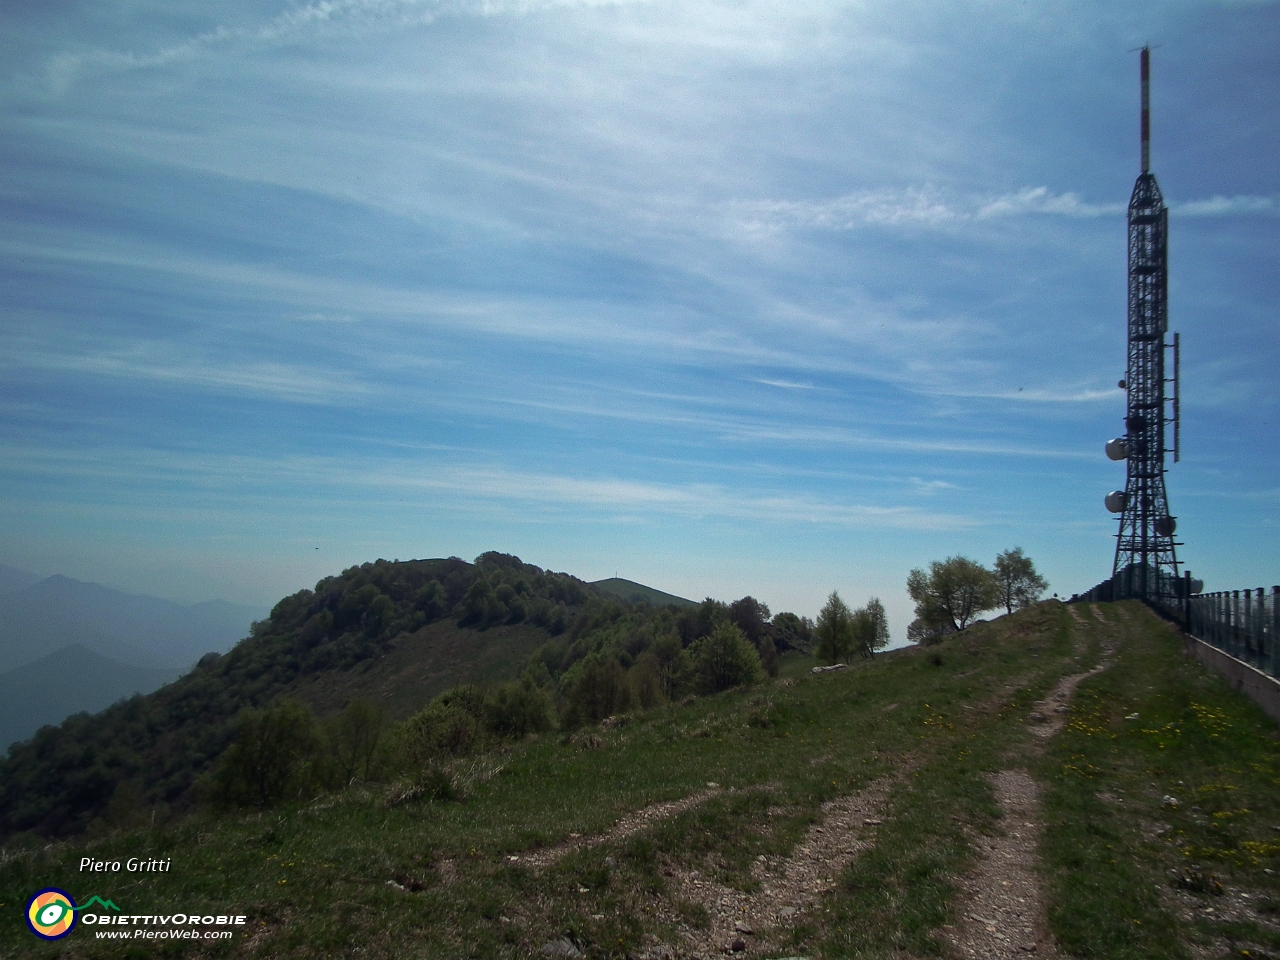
x=724, y=297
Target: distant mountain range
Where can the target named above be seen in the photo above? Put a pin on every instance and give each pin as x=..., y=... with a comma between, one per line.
x=45, y=615
x=394, y=634
x=12, y=579
x=69, y=680
x=68, y=646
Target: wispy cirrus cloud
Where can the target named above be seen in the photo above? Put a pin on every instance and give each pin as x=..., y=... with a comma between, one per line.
x=1219, y=206
x=784, y=384
x=1040, y=394
x=1042, y=200
x=926, y=207
x=462, y=486
x=159, y=363
x=299, y=24
x=913, y=207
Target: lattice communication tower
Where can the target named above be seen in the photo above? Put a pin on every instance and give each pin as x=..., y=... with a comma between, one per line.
x=1146, y=562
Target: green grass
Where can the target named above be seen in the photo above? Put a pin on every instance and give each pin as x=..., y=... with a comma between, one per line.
x=1118, y=858
x=634, y=592
x=314, y=879
x=420, y=665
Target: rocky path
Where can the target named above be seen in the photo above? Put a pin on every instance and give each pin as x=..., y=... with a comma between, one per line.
x=1001, y=909
x=789, y=887
x=625, y=827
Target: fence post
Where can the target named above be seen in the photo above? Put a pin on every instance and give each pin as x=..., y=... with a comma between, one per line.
x=1275, y=631
x=1224, y=622
x=1228, y=627
x=1233, y=621
x=1249, y=653
x=1215, y=631
x=1260, y=629
x=1212, y=619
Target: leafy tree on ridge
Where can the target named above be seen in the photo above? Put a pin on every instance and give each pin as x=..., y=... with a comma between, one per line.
x=1020, y=585
x=834, y=631
x=950, y=596
x=871, y=626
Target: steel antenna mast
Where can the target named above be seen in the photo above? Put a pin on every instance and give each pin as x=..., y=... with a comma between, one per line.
x=1146, y=562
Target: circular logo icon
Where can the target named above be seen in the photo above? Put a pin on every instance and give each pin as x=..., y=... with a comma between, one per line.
x=51, y=914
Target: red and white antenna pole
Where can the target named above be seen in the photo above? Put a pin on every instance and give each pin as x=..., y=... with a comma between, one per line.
x=1146, y=109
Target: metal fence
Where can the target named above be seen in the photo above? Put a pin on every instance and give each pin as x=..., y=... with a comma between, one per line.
x=1242, y=623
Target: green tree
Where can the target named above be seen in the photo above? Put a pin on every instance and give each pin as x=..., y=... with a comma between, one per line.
x=725, y=659
x=599, y=690
x=879, y=622
x=751, y=617
x=675, y=664
x=272, y=758
x=353, y=738
x=1020, y=585
x=950, y=596
x=645, y=680
x=518, y=708
x=791, y=632
x=870, y=628
x=768, y=651
x=834, y=631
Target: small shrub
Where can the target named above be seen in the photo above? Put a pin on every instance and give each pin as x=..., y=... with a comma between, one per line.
x=437, y=784
x=517, y=709
x=599, y=690
x=441, y=729
x=725, y=659
x=274, y=757
x=764, y=714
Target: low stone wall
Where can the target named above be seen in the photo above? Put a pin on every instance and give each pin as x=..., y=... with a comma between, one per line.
x=1260, y=688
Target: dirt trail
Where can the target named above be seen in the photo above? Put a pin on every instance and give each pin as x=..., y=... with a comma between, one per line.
x=625, y=827
x=1001, y=909
x=1000, y=912
x=788, y=887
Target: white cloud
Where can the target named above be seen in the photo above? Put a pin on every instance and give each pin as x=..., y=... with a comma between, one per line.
x=301, y=23
x=930, y=487
x=1041, y=200
x=784, y=384
x=1041, y=395
x=909, y=207
x=161, y=363
x=317, y=477
x=839, y=437
x=912, y=206
x=1219, y=206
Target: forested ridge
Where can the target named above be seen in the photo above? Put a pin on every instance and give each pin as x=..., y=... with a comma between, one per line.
x=600, y=655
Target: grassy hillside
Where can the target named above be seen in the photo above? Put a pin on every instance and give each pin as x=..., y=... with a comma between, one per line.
x=530, y=854
x=393, y=634
x=317, y=643
x=418, y=666
x=634, y=592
